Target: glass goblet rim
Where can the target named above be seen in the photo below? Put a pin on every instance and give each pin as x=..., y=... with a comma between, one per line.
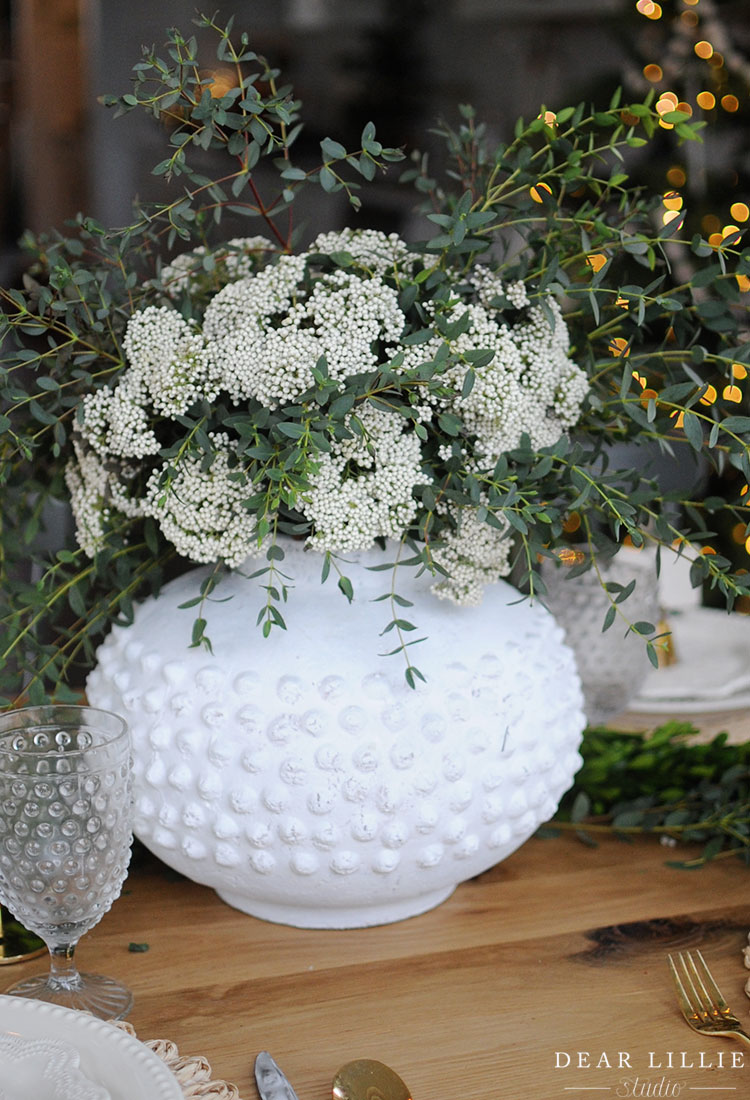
x=51, y=717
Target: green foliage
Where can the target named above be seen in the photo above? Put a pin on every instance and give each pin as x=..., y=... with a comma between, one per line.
x=664, y=784
x=655, y=322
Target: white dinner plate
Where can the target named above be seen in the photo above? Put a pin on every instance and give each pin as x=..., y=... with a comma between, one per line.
x=712, y=669
x=108, y=1058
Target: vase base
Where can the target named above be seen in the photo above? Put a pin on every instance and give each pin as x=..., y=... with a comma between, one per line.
x=339, y=917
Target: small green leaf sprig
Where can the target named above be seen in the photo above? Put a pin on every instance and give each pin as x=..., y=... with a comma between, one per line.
x=664, y=784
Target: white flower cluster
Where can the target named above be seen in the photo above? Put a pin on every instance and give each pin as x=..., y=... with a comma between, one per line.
x=488, y=287
x=474, y=555
x=530, y=385
x=377, y=252
x=201, y=512
x=261, y=336
x=364, y=487
x=201, y=270
x=266, y=333
x=169, y=365
x=87, y=482
x=115, y=422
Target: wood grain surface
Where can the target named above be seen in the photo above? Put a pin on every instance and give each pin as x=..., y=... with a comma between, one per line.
x=561, y=948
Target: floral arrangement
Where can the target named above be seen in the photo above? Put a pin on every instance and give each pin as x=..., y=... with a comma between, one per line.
x=197, y=399
x=309, y=329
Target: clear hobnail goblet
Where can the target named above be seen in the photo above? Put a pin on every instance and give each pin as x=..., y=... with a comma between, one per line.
x=65, y=837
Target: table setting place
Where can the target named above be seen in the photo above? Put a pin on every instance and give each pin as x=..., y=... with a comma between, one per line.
x=65, y=836
x=66, y=813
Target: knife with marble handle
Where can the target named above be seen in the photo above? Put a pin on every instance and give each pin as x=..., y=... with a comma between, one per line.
x=271, y=1082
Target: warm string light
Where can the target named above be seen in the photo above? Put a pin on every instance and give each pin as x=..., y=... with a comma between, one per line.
x=596, y=260
x=710, y=395
x=540, y=191
x=668, y=101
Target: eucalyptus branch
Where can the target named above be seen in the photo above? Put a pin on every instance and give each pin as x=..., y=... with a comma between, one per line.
x=401, y=625
x=450, y=395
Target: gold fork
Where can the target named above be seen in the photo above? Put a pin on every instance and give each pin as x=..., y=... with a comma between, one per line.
x=700, y=998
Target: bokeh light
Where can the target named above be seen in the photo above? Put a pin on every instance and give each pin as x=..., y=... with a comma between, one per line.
x=706, y=100
x=677, y=176
x=739, y=370
x=732, y=393
x=540, y=191
x=653, y=73
x=596, y=260
x=666, y=102
x=703, y=49
x=730, y=103
x=740, y=211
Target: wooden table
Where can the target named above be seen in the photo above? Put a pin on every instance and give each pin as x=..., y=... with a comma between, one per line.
x=560, y=948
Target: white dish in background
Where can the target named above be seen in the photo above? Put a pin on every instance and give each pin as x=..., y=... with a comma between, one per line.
x=712, y=670
x=108, y=1057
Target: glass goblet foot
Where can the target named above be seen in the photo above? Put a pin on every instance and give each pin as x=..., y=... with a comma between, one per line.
x=102, y=997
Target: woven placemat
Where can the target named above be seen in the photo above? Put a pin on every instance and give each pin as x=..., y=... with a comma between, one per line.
x=193, y=1073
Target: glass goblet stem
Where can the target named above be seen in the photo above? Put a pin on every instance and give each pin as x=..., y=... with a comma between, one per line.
x=63, y=972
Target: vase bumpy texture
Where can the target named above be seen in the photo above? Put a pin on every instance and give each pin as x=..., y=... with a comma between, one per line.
x=303, y=779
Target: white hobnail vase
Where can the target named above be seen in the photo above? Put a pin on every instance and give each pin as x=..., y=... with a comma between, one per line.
x=303, y=779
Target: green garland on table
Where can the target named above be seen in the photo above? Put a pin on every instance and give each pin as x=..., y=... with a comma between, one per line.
x=664, y=784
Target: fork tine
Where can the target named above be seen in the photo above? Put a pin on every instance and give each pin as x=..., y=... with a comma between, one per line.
x=709, y=985
x=697, y=995
x=693, y=976
x=686, y=1006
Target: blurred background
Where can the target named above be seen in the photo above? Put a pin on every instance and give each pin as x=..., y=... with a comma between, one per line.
x=403, y=64
x=400, y=63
